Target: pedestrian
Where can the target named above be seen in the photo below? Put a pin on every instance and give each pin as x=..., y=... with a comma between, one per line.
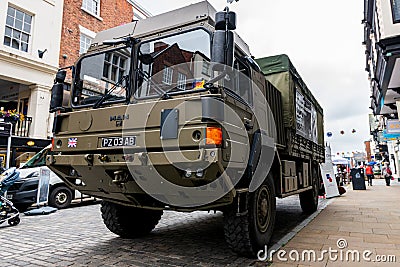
x=370, y=174
x=2, y=169
x=387, y=173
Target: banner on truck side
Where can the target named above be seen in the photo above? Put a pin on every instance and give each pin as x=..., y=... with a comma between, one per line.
x=328, y=175
x=306, y=118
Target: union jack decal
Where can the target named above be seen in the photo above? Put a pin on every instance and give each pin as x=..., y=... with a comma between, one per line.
x=72, y=142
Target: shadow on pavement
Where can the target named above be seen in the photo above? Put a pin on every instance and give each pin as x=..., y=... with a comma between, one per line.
x=196, y=239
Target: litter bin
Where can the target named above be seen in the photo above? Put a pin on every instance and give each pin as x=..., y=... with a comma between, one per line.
x=357, y=179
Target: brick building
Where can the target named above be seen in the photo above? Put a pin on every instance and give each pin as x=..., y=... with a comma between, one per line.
x=37, y=37
x=82, y=19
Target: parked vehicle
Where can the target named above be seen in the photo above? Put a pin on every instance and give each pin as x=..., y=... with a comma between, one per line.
x=148, y=129
x=23, y=192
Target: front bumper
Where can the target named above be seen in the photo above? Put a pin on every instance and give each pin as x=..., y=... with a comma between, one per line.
x=96, y=174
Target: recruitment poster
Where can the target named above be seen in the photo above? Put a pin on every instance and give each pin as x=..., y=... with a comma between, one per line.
x=328, y=176
x=43, y=188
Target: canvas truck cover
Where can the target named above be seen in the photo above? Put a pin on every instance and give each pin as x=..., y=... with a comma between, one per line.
x=301, y=110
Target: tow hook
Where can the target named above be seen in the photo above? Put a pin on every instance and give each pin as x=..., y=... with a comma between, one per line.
x=120, y=177
x=89, y=159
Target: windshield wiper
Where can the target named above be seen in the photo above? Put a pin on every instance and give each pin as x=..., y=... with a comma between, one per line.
x=108, y=94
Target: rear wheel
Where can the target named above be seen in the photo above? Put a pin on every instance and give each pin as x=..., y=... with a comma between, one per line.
x=309, y=199
x=250, y=232
x=60, y=197
x=14, y=221
x=129, y=222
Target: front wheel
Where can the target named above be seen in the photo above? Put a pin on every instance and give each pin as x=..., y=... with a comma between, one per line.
x=60, y=197
x=248, y=233
x=129, y=222
x=309, y=199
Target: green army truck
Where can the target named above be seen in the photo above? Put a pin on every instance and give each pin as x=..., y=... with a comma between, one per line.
x=172, y=112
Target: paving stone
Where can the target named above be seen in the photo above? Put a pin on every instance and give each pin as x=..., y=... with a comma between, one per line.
x=78, y=237
x=373, y=227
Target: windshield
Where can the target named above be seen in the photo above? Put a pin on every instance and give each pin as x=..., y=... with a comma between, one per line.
x=38, y=160
x=175, y=63
x=102, y=78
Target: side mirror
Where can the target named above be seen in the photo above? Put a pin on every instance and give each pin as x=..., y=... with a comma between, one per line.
x=60, y=76
x=223, y=45
x=222, y=49
x=57, y=91
x=57, y=94
x=225, y=20
x=146, y=59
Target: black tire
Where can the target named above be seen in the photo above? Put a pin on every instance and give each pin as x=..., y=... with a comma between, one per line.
x=22, y=207
x=249, y=233
x=309, y=199
x=60, y=197
x=129, y=222
x=14, y=221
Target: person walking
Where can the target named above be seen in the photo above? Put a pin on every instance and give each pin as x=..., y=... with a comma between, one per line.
x=387, y=173
x=370, y=174
x=2, y=169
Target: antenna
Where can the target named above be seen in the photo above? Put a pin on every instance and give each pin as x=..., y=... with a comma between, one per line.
x=231, y=1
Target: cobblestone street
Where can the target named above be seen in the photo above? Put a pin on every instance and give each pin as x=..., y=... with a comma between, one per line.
x=78, y=237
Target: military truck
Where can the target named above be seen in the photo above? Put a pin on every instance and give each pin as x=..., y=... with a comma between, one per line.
x=173, y=113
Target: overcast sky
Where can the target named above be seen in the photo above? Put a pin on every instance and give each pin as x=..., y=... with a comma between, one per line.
x=323, y=40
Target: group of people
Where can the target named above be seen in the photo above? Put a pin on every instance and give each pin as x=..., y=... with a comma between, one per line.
x=342, y=174
x=386, y=173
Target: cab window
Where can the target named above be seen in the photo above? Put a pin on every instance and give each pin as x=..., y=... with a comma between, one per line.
x=240, y=81
x=243, y=81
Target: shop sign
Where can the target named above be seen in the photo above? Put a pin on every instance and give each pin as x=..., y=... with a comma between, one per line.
x=390, y=137
x=393, y=126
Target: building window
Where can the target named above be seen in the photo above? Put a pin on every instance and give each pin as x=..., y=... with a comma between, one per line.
x=396, y=11
x=84, y=43
x=167, y=75
x=206, y=68
x=18, y=29
x=114, y=67
x=181, y=81
x=92, y=6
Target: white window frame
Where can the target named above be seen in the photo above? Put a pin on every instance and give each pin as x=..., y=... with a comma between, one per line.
x=205, y=69
x=88, y=34
x=393, y=7
x=117, y=66
x=21, y=31
x=181, y=84
x=86, y=9
x=84, y=43
x=167, y=75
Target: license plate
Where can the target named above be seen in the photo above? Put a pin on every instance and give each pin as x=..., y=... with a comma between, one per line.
x=118, y=141
x=9, y=196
